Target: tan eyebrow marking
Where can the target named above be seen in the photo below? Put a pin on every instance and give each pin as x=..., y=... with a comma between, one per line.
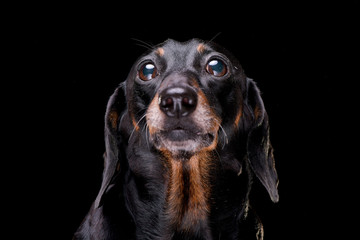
x=200, y=48
x=160, y=51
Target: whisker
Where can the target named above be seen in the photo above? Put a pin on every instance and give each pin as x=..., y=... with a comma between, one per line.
x=147, y=135
x=213, y=38
x=136, y=125
x=144, y=44
x=226, y=139
x=220, y=160
x=146, y=129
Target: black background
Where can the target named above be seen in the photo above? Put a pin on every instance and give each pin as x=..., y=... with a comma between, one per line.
x=302, y=57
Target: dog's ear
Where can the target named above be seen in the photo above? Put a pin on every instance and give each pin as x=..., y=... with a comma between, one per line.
x=113, y=141
x=259, y=149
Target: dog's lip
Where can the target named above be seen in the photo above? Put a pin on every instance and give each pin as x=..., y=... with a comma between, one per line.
x=179, y=134
x=183, y=134
x=180, y=129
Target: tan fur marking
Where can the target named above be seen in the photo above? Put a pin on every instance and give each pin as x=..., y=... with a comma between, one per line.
x=238, y=116
x=160, y=51
x=213, y=120
x=175, y=192
x=205, y=111
x=136, y=126
x=153, y=116
x=200, y=48
x=113, y=117
x=199, y=185
x=257, y=112
x=118, y=167
x=185, y=215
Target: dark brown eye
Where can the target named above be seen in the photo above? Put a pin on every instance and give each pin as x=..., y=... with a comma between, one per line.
x=147, y=71
x=216, y=67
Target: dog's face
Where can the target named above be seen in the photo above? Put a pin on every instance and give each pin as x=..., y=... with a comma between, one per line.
x=189, y=96
x=187, y=99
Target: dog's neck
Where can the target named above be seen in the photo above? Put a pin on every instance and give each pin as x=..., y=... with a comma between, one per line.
x=188, y=191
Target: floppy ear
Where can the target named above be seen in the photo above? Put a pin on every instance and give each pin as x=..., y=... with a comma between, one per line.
x=113, y=141
x=259, y=149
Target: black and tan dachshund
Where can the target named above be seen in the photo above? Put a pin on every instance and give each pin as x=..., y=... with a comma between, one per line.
x=185, y=135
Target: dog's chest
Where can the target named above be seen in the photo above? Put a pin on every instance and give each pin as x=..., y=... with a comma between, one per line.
x=188, y=192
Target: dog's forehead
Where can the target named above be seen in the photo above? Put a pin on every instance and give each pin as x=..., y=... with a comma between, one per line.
x=181, y=52
x=173, y=45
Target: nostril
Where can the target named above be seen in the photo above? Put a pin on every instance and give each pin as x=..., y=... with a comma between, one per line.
x=188, y=102
x=167, y=102
x=185, y=101
x=168, y=105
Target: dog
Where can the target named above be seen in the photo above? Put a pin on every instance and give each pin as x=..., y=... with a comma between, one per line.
x=186, y=134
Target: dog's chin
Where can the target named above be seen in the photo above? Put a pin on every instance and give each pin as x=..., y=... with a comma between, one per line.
x=181, y=143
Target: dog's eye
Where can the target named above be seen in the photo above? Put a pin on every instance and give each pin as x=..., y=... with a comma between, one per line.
x=216, y=67
x=147, y=72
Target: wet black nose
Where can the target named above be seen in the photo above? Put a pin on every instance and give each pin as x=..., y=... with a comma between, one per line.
x=178, y=101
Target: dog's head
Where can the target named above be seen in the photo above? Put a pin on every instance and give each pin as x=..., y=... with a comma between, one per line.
x=187, y=98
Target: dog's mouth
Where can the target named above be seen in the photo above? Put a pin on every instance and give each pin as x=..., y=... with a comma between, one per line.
x=182, y=140
x=179, y=134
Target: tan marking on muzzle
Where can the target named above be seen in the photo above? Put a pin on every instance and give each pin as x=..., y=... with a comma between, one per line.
x=154, y=116
x=206, y=114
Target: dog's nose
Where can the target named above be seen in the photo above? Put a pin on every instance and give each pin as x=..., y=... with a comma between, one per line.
x=178, y=101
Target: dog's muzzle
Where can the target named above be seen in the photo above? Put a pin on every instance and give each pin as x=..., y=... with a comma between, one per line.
x=180, y=118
